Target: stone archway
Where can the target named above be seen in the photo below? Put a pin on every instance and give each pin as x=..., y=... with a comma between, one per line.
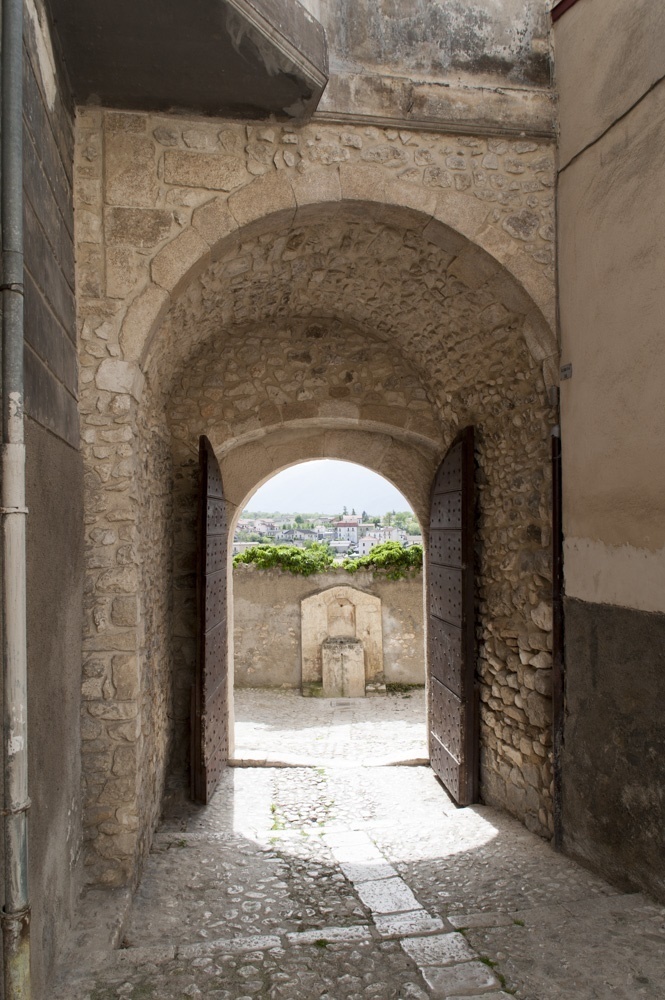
x=433, y=254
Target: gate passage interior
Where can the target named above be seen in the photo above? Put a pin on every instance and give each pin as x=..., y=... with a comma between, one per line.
x=453, y=695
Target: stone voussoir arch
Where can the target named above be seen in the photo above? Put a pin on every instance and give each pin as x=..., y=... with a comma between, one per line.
x=251, y=463
x=450, y=220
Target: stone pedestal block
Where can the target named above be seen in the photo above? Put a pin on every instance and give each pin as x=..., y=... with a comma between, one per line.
x=343, y=668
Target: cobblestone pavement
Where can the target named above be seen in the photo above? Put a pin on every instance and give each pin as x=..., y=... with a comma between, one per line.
x=283, y=727
x=365, y=883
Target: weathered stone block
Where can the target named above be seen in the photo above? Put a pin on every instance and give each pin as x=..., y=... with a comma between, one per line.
x=542, y=616
x=137, y=227
x=315, y=187
x=125, y=760
x=539, y=710
x=390, y=895
x=93, y=815
x=543, y=683
x=120, y=580
x=91, y=729
x=94, y=667
x=143, y=315
x=265, y=197
x=176, y=260
x=88, y=226
x=110, y=641
x=124, y=611
x=120, y=376
x=131, y=170
x=541, y=661
x=125, y=268
x=216, y=172
x=121, y=845
x=214, y=221
x=127, y=817
x=343, y=663
x=114, y=710
x=441, y=949
x=460, y=980
x=125, y=731
x=92, y=688
x=126, y=677
x=90, y=270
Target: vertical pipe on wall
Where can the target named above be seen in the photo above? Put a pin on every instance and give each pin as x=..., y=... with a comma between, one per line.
x=558, y=634
x=16, y=912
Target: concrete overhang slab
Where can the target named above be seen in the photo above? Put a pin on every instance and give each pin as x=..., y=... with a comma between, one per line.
x=230, y=58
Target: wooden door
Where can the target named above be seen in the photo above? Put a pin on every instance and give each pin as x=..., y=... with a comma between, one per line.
x=210, y=699
x=453, y=703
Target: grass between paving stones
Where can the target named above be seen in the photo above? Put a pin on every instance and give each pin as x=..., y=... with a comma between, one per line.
x=277, y=822
x=500, y=976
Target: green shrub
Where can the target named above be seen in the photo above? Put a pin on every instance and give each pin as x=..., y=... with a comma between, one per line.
x=289, y=558
x=390, y=558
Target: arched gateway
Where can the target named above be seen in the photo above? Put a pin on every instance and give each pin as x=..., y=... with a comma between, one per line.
x=296, y=293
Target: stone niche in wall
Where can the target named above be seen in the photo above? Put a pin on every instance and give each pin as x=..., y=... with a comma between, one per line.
x=342, y=643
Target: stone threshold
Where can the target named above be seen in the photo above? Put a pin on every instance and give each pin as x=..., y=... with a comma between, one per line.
x=327, y=762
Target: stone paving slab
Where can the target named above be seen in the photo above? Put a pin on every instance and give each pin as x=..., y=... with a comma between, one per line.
x=264, y=894
x=277, y=728
x=441, y=949
x=406, y=924
x=390, y=895
x=328, y=934
x=472, y=978
x=368, y=871
x=467, y=920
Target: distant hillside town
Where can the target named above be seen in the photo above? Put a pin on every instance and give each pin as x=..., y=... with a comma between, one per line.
x=347, y=534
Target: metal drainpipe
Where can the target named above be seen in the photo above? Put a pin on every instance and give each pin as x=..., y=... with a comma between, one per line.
x=16, y=912
x=558, y=660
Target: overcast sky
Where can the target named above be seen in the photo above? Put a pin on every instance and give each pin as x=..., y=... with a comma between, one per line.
x=325, y=487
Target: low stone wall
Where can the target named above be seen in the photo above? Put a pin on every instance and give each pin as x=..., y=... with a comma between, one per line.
x=267, y=624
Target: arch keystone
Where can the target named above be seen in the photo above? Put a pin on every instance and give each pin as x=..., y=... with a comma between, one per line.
x=315, y=187
x=408, y=195
x=362, y=183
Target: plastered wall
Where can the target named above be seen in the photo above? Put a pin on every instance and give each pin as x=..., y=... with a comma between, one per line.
x=478, y=64
x=611, y=197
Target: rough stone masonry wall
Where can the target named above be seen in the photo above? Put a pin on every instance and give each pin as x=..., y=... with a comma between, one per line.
x=267, y=619
x=514, y=611
x=127, y=697
x=156, y=198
